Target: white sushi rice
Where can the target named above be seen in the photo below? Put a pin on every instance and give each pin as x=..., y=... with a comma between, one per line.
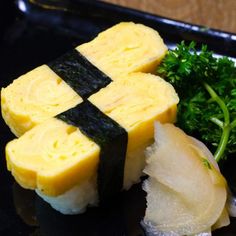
x=76, y=200
x=134, y=165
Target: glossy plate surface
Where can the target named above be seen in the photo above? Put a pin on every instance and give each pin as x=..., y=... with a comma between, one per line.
x=35, y=32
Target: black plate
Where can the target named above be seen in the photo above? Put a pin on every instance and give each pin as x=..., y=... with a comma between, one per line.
x=35, y=32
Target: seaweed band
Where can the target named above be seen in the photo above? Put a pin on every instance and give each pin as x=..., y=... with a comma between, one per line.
x=86, y=79
x=79, y=73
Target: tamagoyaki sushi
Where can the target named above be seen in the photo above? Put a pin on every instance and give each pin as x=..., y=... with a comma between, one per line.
x=84, y=120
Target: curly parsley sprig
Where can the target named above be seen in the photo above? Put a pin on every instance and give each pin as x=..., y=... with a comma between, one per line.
x=207, y=89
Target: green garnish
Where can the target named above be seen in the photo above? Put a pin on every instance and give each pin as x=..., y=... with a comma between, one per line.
x=206, y=163
x=207, y=89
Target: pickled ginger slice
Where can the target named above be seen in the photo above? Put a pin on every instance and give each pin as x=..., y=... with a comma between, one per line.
x=186, y=193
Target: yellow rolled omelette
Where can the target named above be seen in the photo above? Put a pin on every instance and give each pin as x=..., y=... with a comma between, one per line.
x=57, y=158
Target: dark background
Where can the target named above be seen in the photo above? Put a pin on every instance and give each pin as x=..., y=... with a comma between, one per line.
x=38, y=35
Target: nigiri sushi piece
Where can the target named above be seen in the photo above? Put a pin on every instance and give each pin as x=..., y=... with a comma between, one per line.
x=61, y=163
x=43, y=93
x=85, y=119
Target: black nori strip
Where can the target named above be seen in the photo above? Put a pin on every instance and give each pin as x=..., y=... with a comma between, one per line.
x=80, y=74
x=111, y=138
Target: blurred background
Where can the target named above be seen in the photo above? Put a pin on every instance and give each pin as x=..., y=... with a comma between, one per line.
x=218, y=14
